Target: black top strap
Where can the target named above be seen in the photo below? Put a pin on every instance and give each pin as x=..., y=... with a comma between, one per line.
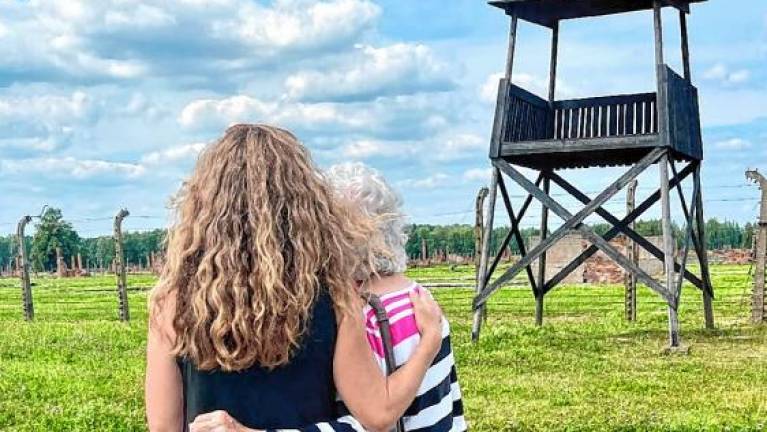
x=383, y=326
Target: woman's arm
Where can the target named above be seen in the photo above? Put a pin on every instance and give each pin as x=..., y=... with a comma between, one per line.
x=164, y=389
x=221, y=421
x=375, y=400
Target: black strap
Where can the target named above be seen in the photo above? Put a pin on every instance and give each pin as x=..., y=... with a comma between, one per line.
x=383, y=326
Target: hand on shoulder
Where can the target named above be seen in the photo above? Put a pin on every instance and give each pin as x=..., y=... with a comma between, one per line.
x=428, y=316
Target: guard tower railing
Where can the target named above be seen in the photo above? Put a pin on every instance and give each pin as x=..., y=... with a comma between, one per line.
x=529, y=124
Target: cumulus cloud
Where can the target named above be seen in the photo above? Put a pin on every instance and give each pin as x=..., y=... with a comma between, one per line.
x=367, y=148
x=431, y=182
x=392, y=70
x=723, y=74
x=70, y=167
x=192, y=41
x=401, y=117
x=446, y=146
x=478, y=174
x=460, y=145
x=173, y=154
x=488, y=92
x=733, y=144
x=43, y=122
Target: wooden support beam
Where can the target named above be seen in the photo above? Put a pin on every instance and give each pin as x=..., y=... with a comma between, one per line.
x=702, y=252
x=514, y=229
x=486, y=242
x=686, y=211
x=543, y=233
x=685, y=46
x=662, y=101
x=571, y=221
x=668, y=247
x=512, y=47
x=479, y=225
x=120, y=273
x=512, y=234
x=622, y=226
x=26, y=286
x=553, y=63
x=758, y=303
x=689, y=233
x=633, y=256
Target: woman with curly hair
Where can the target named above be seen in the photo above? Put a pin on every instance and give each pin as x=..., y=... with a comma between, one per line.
x=256, y=321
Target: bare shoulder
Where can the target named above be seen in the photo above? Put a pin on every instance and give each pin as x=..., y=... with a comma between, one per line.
x=161, y=315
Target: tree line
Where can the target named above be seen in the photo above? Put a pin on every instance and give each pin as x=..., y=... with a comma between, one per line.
x=459, y=239
x=52, y=232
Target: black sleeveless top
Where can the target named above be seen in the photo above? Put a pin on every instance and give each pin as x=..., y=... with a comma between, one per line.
x=297, y=394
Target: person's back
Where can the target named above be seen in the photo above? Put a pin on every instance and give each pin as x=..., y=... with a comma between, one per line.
x=298, y=393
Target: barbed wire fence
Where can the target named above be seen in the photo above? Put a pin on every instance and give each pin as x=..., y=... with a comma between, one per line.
x=100, y=298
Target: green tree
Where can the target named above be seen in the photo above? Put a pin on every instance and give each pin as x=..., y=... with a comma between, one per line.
x=8, y=250
x=53, y=232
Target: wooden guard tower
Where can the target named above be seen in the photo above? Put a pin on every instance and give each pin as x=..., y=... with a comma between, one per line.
x=636, y=130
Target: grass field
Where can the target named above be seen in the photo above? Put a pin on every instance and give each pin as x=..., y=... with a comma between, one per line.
x=77, y=368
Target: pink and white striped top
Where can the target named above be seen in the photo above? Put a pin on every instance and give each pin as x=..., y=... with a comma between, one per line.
x=438, y=405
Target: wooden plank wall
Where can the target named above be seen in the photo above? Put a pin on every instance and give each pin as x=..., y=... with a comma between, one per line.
x=528, y=116
x=606, y=117
x=684, y=117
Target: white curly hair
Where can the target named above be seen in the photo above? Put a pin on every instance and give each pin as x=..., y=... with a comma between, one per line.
x=366, y=187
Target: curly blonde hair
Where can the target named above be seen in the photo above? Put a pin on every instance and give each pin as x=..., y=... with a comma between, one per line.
x=258, y=236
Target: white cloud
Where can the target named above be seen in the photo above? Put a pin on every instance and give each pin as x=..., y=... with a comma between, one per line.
x=43, y=122
x=391, y=70
x=69, y=166
x=433, y=181
x=297, y=23
x=733, y=144
x=188, y=41
x=215, y=113
x=460, y=145
x=488, y=92
x=173, y=154
x=478, y=174
x=367, y=148
x=446, y=146
x=414, y=117
x=720, y=72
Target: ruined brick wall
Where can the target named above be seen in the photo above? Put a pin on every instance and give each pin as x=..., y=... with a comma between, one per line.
x=731, y=256
x=599, y=268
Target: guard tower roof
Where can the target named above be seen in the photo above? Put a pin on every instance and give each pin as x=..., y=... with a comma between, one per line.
x=548, y=12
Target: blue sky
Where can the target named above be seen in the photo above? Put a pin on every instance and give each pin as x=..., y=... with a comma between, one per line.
x=105, y=104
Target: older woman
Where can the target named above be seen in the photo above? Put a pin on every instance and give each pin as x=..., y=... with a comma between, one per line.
x=438, y=405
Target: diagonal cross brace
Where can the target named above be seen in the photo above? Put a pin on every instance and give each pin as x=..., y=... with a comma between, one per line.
x=515, y=230
x=689, y=233
x=571, y=221
x=625, y=228
x=613, y=232
x=510, y=234
x=608, y=249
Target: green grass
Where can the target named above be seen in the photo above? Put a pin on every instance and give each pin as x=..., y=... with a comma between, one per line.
x=77, y=368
